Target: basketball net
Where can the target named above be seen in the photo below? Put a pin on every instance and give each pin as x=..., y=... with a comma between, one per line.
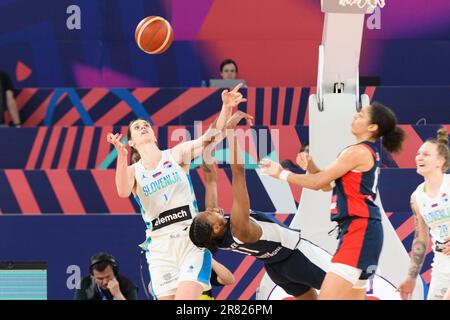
x=363, y=3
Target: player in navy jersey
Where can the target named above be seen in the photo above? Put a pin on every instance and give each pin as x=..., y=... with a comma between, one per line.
x=355, y=175
x=293, y=263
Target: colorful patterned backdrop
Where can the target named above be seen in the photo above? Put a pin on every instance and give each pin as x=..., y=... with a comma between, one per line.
x=274, y=43
x=184, y=106
x=58, y=200
x=65, y=170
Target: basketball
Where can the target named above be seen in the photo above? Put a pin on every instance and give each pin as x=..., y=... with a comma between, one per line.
x=154, y=35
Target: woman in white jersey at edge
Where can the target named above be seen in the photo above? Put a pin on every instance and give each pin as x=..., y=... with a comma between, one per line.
x=430, y=204
x=162, y=187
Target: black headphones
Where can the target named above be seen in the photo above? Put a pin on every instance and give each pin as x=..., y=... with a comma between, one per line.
x=104, y=257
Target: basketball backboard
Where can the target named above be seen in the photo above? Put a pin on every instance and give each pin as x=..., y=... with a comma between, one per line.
x=351, y=6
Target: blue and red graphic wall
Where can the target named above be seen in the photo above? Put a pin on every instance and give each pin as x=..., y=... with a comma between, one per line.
x=274, y=43
x=57, y=197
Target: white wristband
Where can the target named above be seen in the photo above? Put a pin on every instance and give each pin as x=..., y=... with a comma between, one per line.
x=284, y=174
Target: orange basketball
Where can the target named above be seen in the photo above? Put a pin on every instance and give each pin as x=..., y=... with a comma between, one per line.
x=154, y=35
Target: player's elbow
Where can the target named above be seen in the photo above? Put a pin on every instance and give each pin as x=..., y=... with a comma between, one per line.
x=316, y=185
x=328, y=187
x=229, y=280
x=226, y=279
x=321, y=182
x=123, y=193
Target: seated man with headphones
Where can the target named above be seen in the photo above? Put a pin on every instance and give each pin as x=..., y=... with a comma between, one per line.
x=105, y=282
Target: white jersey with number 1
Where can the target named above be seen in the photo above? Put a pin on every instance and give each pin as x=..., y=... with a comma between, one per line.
x=168, y=205
x=165, y=195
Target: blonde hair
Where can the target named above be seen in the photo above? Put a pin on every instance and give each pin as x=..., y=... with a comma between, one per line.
x=441, y=142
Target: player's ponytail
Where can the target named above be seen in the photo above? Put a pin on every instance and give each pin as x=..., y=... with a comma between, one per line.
x=135, y=156
x=392, y=141
x=392, y=136
x=441, y=142
x=201, y=235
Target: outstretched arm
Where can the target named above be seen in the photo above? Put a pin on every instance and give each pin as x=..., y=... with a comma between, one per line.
x=210, y=175
x=243, y=228
x=208, y=165
x=124, y=173
x=305, y=161
x=418, y=251
x=186, y=151
x=351, y=159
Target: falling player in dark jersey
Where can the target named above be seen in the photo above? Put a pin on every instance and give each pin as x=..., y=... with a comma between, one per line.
x=293, y=263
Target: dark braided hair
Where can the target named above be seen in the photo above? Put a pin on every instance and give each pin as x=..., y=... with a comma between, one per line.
x=201, y=234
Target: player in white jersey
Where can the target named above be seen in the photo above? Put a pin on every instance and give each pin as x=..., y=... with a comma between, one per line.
x=159, y=180
x=430, y=204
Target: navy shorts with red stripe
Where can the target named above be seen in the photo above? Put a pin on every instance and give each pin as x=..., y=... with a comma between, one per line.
x=360, y=244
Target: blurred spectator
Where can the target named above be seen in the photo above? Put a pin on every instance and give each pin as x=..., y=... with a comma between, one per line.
x=7, y=100
x=105, y=282
x=289, y=164
x=228, y=69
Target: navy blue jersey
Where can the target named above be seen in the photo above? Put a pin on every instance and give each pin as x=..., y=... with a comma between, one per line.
x=355, y=192
x=277, y=241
